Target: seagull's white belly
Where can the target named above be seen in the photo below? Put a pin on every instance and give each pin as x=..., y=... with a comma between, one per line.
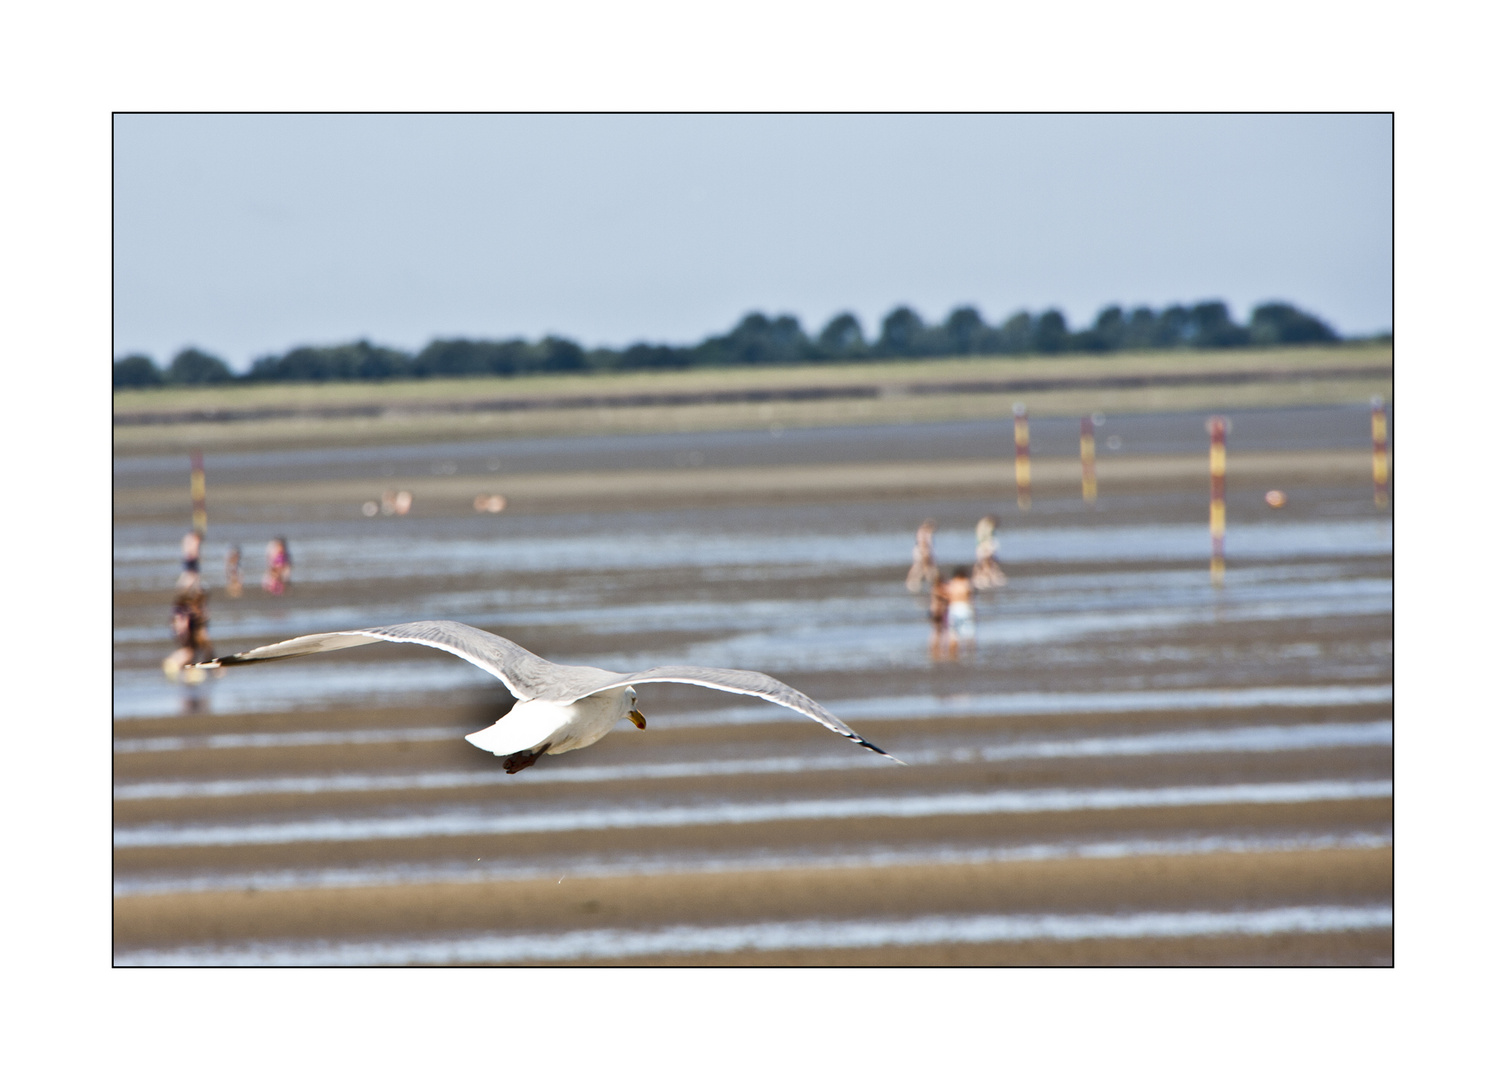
x=531, y=724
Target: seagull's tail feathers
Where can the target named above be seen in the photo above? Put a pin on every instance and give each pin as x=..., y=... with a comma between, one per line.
x=496, y=739
x=528, y=725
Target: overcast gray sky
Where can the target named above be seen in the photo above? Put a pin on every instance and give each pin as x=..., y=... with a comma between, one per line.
x=247, y=235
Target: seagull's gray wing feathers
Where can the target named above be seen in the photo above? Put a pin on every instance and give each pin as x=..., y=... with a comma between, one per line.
x=751, y=683
x=529, y=676
x=523, y=673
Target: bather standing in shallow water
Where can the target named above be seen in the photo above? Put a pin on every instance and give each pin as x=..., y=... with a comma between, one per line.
x=960, y=624
x=987, y=574
x=923, y=558
x=190, y=618
x=279, y=567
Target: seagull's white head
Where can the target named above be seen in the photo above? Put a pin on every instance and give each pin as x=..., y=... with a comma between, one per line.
x=630, y=701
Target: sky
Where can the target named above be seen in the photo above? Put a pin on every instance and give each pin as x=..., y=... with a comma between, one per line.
x=246, y=235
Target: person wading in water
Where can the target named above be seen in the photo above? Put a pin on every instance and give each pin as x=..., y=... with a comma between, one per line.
x=960, y=625
x=190, y=618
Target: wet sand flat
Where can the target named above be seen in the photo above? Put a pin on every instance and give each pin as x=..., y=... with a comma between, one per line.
x=1173, y=774
x=1354, y=948
x=712, y=486
x=1078, y=885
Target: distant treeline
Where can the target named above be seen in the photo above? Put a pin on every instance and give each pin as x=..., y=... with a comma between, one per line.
x=759, y=340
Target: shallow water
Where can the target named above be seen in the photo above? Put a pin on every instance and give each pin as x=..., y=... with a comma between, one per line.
x=864, y=627
x=476, y=822
x=323, y=554
x=1273, y=738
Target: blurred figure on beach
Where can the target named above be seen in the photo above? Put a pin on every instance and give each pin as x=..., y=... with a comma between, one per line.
x=937, y=615
x=960, y=625
x=987, y=574
x=193, y=543
x=279, y=567
x=396, y=502
x=233, y=570
x=923, y=559
x=190, y=617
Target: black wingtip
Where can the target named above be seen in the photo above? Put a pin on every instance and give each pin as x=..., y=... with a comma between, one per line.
x=879, y=751
x=228, y=661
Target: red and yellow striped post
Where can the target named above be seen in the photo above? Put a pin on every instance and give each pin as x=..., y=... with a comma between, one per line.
x=1021, y=456
x=1378, y=455
x=196, y=490
x=1089, y=471
x=1217, y=463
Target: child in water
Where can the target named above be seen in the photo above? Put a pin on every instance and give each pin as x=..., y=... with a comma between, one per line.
x=279, y=567
x=959, y=612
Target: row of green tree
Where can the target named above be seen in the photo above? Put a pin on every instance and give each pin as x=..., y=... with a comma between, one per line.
x=760, y=340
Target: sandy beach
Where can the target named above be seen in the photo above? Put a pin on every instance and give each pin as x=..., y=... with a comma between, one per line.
x=1135, y=768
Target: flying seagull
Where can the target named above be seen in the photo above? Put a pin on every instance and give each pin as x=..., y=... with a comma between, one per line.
x=560, y=706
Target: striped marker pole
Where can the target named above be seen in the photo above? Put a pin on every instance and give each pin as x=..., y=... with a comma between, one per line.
x=196, y=489
x=1021, y=456
x=1217, y=462
x=1378, y=456
x=1089, y=453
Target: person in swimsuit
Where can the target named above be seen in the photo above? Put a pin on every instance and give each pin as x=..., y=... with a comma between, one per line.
x=279, y=567
x=987, y=574
x=923, y=558
x=192, y=544
x=938, y=612
x=190, y=618
x=959, y=612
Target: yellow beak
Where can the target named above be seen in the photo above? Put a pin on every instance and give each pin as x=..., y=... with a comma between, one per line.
x=638, y=718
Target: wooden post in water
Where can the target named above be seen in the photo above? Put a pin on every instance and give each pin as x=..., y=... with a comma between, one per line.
x=1089, y=472
x=1021, y=456
x=1217, y=463
x=196, y=489
x=1378, y=455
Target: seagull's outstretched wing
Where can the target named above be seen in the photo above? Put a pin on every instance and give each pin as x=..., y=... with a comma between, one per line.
x=734, y=681
x=523, y=673
x=529, y=676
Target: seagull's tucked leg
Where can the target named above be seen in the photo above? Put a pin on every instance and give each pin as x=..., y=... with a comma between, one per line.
x=520, y=761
